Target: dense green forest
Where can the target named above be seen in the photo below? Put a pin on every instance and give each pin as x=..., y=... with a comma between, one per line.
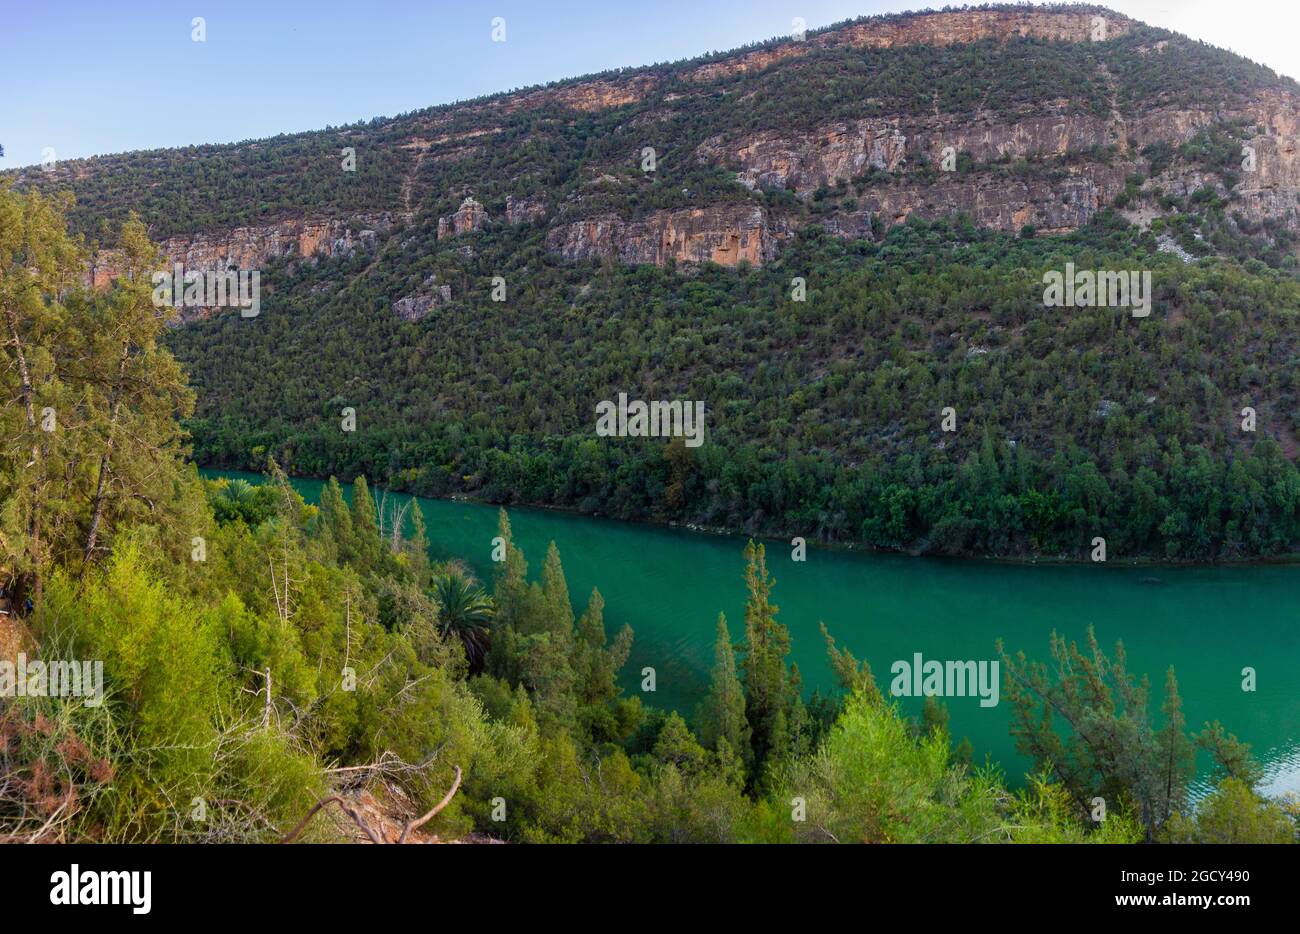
x=823, y=417
x=263, y=655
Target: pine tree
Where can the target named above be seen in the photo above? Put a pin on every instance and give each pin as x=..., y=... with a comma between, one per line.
x=417, y=546
x=721, y=716
x=1232, y=758
x=364, y=528
x=510, y=594
x=1175, y=751
x=596, y=665
x=92, y=439
x=335, y=520
x=1106, y=745
x=767, y=690
x=851, y=674
x=557, y=611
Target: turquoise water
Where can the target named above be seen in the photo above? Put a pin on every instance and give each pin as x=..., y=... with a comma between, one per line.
x=669, y=585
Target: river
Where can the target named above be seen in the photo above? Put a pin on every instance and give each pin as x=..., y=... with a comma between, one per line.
x=1209, y=622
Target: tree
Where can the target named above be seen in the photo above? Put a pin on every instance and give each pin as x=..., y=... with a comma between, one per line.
x=1107, y=746
x=335, y=521
x=596, y=665
x=1232, y=813
x=767, y=686
x=1174, y=750
x=510, y=593
x=464, y=612
x=1232, y=758
x=38, y=264
x=240, y=500
x=851, y=674
x=95, y=443
x=556, y=610
x=721, y=716
x=364, y=528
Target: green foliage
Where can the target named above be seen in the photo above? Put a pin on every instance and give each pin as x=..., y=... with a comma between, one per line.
x=464, y=613
x=822, y=423
x=239, y=500
x=314, y=648
x=722, y=713
x=1232, y=813
x=873, y=782
x=771, y=691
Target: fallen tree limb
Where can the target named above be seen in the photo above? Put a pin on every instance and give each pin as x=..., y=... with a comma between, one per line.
x=416, y=824
x=344, y=807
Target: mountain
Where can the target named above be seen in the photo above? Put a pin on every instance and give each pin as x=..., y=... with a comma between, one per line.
x=838, y=243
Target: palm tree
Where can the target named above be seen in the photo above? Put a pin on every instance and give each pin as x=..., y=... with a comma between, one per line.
x=239, y=499
x=465, y=611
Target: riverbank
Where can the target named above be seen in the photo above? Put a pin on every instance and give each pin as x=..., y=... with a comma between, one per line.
x=861, y=548
x=669, y=584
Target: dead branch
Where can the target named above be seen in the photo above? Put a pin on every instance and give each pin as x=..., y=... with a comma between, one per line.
x=344, y=807
x=416, y=824
x=351, y=812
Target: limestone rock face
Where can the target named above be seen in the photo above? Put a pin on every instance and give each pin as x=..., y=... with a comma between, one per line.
x=470, y=216
x=524, y=210
x=724, y=234
x=833, y=153
x=253, y=247
x=249, y=247
x=1002, y=204
x=588, y=96
x=414, y=307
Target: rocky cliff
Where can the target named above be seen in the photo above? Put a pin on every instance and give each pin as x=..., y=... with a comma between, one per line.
x=253, y=247
x=854, y=128
x=727, y=235
x=469, y=217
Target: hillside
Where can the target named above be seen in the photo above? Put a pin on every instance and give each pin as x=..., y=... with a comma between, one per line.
x=920, y=173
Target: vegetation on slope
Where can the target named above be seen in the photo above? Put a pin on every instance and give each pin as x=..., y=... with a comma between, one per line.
x=550, y=148
x=823, y=417
x=259, y=652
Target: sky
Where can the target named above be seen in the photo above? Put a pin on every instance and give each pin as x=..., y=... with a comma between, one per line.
x=86, y=77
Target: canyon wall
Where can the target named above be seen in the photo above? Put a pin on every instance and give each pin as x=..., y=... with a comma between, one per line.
x=254, y=247
x=724, y=234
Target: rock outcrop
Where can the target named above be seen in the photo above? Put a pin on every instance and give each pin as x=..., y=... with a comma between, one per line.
x=414, y=307
x=724, y=234
x=586, y=95
x=470, y=216
x=832, y=153
x=524, y=210
x=254, y=247
x=991, y=201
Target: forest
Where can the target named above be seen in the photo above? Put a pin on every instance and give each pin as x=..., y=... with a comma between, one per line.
x=271, y=662
x=824, y=417
x=1173, y=437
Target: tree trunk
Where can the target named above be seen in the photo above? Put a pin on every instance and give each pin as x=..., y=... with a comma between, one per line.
x=97, y=513
x=33, y=522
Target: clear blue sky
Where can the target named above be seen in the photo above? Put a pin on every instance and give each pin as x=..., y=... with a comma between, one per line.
x=102, y=76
